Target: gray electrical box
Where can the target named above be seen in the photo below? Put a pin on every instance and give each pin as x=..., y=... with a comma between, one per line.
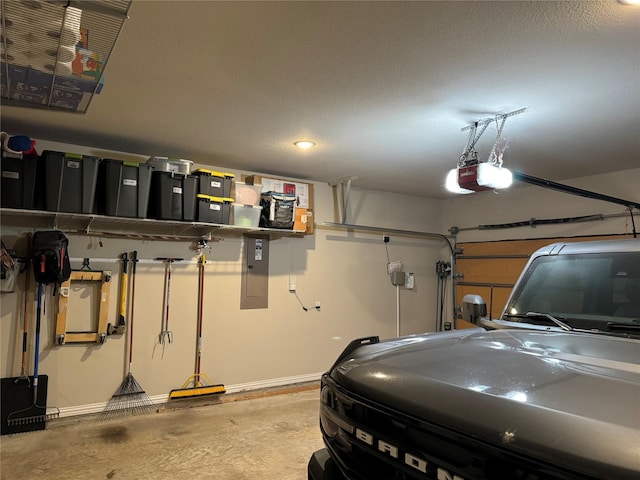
x=255, y=273
x=398, y=278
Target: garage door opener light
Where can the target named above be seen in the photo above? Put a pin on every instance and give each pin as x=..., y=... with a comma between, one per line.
x=471, y=175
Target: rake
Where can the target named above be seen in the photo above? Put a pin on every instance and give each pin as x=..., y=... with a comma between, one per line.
x=130, y=398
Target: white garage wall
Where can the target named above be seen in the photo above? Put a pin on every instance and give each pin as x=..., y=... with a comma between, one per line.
x=345, y=271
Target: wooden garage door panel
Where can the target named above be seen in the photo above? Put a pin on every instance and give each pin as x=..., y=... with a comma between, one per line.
x=507, y=247
x=491, y=271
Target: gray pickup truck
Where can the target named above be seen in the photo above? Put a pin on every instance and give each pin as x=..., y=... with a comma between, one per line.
x=550, y=390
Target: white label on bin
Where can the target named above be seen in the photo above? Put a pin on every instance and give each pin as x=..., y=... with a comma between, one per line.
x=177, y=190
x=73, y=164
x=215, y=184
x=214, y=206
x=13, y=175
x=129, y=182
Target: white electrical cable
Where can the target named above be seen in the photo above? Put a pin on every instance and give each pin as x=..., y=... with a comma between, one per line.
x=397, y=310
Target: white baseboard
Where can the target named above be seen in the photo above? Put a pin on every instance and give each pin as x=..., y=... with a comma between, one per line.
x=93, y=408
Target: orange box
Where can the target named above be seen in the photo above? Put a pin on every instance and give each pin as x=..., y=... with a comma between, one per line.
x=304, y=221
x=300, y=222
x=310, y=223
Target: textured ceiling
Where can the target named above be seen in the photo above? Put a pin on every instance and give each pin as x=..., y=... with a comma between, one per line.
x=382, y=87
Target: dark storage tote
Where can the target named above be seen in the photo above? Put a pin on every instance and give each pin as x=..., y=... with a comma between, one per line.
x=214, y=184
x=123, y=188
x=214, y=209
x=69, y=181
x=19, y=182
x=173, y=196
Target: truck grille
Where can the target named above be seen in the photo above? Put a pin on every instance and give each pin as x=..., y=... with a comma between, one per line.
x=372, y=442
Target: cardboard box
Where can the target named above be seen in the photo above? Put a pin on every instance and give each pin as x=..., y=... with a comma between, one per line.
x=310, y=222
x=300, y=223
x=303, y=221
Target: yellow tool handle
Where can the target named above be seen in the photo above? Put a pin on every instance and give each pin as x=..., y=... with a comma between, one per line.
x=123, y=290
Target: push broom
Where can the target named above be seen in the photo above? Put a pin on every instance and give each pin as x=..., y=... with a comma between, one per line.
x=201, y=384
x=130, y=398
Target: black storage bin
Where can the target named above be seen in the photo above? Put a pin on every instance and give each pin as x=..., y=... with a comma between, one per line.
x=20, y=188
x=173, y=196
x=69, y=181
x=213, y=209
x=214, y=184
x=123, y=188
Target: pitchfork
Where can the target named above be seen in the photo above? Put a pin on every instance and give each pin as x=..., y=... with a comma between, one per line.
x=166, y=334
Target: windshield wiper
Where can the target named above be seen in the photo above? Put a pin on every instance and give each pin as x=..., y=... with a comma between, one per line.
x=559, y=323
x=624, y=327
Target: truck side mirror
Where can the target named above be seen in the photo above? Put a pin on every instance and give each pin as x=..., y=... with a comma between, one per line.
x=473, y=308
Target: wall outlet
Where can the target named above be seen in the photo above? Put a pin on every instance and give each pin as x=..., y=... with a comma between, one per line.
x=292, y=283
x=409, y=281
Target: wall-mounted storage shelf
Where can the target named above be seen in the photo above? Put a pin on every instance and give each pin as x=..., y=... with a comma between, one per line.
x=139, y=228
x=54, y=53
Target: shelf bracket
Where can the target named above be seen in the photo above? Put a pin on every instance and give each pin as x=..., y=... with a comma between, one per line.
x=343, y=191
x=87, y=230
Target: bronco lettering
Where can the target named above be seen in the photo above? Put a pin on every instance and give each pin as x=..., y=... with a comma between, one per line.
x=410, y=460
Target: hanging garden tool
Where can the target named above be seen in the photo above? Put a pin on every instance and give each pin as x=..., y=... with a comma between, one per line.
x=165, y=333
x=25, y=319
x=119, y=329
x=130, y=398
x=202, y=385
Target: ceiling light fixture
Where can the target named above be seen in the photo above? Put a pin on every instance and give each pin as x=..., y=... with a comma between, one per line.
x=472, y=175
x=304, y=144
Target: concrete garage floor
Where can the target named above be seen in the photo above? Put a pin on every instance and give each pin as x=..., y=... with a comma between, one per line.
x=262, y=438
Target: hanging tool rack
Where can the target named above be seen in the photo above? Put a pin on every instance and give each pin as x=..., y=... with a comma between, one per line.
x=54, y=53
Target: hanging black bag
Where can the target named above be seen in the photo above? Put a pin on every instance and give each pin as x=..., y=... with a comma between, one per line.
x=278, y=210
x=50, y=257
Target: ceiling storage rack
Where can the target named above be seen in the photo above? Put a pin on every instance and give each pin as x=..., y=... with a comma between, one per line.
x=54, y=53
x=135, y=228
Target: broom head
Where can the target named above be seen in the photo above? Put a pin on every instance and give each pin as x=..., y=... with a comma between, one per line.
x=199, y=388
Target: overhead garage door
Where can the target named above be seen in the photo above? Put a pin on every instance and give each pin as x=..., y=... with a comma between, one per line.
x=491, y=269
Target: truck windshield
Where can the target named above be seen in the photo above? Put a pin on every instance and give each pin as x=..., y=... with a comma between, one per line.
x=599, y=291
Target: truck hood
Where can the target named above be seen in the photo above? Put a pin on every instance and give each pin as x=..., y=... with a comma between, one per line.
x=552, y=393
